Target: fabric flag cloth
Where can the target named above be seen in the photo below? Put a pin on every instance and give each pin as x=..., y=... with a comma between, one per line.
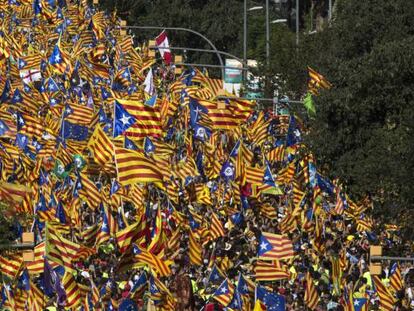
x=162, y=43
x=309, y=104
x=272, y=301
x=195, y=250
x=123, y=120
x=273, y=271
x=125, y=237
x=311, y=295
x=74, y=131
x=360, y=304
x=149, y=88
x=216, y=228
x=317, y=81
x=224, y=293
x=134, y=167
x=142, y=255
x=275, y=247
x=386, y=298
x=395, y=277
x=52, y=283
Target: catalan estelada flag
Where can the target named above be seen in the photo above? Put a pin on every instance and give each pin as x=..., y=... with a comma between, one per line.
x=386, y=298
x=224, y=293
x=311, y=295
x=270, y=271
x=195, y=250
x=147, y=119
x=159, y=265
x=101, y=146
x=125, y=237
x=73, y=294
x=216, y=228
x=395, y=277
x=133, y=167
x=275, y=247
x=11, y=265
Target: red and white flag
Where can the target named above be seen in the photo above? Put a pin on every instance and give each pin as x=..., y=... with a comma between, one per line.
x=163, y=46
x=30, y=75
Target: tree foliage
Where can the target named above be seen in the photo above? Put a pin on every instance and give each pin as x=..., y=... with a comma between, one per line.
x=364, y=127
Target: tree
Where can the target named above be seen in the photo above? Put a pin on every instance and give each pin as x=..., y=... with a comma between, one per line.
x=7, y=229
x=363, y=131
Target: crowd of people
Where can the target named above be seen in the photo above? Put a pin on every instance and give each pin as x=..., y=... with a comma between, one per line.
x=149, y=188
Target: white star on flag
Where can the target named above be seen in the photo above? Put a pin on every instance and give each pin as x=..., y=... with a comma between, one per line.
x=263, y=245
x=124, y=119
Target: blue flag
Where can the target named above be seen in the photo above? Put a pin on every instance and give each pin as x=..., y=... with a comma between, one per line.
x=128, y=305
x=227, y=171
x=195, y=111
x=6, y=92
x=293, y=135
x=60, y=213
x=268, y=177
x=52, y=283
x=37, y=7
x=273, y=302
x=200, y=132
x=24, y=281
x=73, y=131
x=56, y=56
x=149, y=147
x=3, y=128
x=52, y=86
x=235, y=151
x=123, y=120
x=139, y=283
x=17, y=97
x=129, y=144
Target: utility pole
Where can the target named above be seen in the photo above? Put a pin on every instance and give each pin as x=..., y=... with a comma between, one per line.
x=297, y=22
x=330, y=10
x=245, y=40
x=267, y=34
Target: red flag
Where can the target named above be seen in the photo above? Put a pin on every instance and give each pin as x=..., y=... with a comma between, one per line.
x=163, y=46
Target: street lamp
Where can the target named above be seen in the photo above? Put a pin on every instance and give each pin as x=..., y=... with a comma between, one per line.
x=255, y=8
x=279, y=21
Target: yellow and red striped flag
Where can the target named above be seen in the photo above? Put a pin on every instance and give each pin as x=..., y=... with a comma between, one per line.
x=195, y=250
x=311, y=295
x=275, y=247
x=224, y=293
x=133, y=167
x=386, y=298
x=78, y=114
x=63, y=251
x=216, y=227
x=11, y=265
x=317, y=81
x=159, y=265
x=395, y=277
x=254, y=175
x=14, y=192
x=270, y=271
x=148, y=119
x=37, y=266
x=73, y=294
x=36, y=298
x=268, y=211
x=89, y=191
x=125, y=237
x=101, y=146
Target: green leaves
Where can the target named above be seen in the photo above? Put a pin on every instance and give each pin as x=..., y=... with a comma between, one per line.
x=363, y=129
